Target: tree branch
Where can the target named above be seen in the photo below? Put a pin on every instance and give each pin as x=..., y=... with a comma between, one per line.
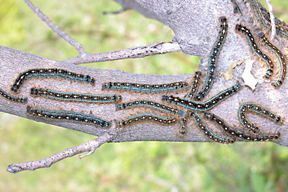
x=196, y=28
x=136, y=52
x=89, y=147
x=114, y=12
x=55, y=28
x=272, y=18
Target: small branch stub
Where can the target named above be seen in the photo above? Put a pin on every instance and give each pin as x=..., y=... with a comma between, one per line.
x=272, y=18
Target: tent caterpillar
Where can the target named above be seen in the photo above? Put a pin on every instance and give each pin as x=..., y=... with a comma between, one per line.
x=249, y=106
x=67, y=115
x=194, y=85
x=145, y=88
x=152, y=104
x=208, y=132
x=13, y=98
x=145, y=117
x=74, y=96
x=213, y=57
x=52, y=73
x=241, y=134
x=254, y=47
x=281, y=58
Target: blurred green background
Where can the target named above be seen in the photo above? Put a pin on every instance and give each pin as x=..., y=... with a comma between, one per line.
x=137, y=166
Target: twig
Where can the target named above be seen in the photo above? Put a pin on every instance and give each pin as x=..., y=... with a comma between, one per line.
x=114, y=12
x=137, y=52
x=90, y=146
x=56, y=29
x=272, y=18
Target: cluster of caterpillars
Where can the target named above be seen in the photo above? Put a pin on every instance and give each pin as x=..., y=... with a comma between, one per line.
x=235, y=133
x=190, y=104
x=207, y=105
x=258, y=52
x=252, y=132
x=61, y=96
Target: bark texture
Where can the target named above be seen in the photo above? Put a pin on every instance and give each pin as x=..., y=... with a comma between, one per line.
x=195, y=24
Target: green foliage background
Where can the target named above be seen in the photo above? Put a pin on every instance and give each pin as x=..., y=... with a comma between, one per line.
x=137, y=166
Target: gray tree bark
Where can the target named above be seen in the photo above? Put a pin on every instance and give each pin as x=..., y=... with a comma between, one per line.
x=195, y=24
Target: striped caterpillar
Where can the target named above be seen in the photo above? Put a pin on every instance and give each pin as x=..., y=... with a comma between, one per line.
x=152, y=104
x=74, y=96
x=252, y=107
x=213, y=57
x=67, y=115
x=145, y=88
x=52, y=73
x=208, y=132
x=13, y=98
x=145, y=117
x=281, y=58
x=254, y=47
x=240, y=134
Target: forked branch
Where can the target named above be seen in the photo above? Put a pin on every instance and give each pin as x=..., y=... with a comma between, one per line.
x=136, y=52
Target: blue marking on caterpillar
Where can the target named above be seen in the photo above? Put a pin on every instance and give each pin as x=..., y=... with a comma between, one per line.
x=67, y=115
x=151, y=104
x=205, y=130
x=207, y=105
x=74, y=96
x=145, y=88
x=52, y=73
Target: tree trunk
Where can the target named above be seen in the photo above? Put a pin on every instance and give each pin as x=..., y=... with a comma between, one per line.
x=196, y=26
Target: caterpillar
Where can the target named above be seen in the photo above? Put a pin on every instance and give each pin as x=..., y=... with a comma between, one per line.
x=254, y=47
x=152, y=104
x=213, y=57
x=52, y=73
x=194, y=85
x=249, y=106
x=240, y=134
x=145, y=88
x=209, y=104
x=74, y=96
x=182, y=126
x=66, y=115
x=204, y=129
x=145, y=117
x=281, y=58
x=13, y=98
